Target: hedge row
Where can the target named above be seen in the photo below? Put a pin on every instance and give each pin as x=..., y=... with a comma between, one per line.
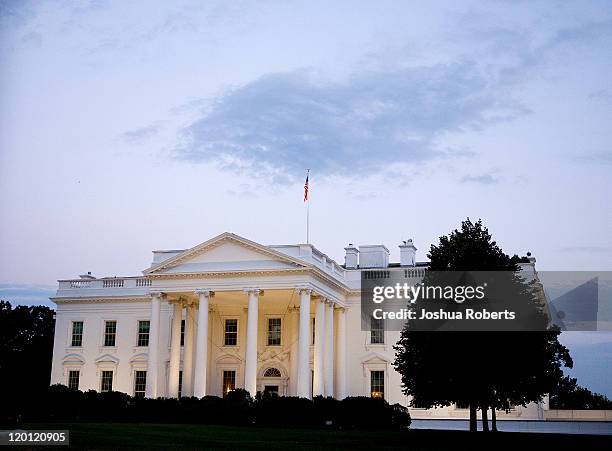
x=60, y=404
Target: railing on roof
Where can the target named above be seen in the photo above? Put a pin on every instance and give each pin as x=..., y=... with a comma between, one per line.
x=106, y=282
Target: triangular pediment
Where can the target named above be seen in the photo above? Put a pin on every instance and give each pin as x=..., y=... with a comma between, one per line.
x=374, y=357
x=226, y=252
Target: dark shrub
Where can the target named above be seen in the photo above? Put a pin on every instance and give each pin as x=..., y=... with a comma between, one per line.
x=327, y=411
x=360, y=412
x=283, y=411
x=109, y=406
x=401, y=417
x=238, y=408
x=59, y=403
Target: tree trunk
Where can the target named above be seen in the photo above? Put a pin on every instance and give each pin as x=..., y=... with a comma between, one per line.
x=493, y=420
x=473, y=419
x=485, y=418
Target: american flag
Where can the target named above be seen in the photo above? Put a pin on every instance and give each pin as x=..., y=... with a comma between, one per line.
x=306, y=187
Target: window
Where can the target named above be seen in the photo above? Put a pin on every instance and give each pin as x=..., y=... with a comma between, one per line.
x=180, y=390
x=110, y=333
x=143, y=333
x=182, y=332
x=271, y=390
x=377, y=331
x=311, y=383
x=107, y=381
x=274, y=331
x=73, y=379
x=77, y=333
x=272, y=372
x=140, y=384
x=377, y=384
x=231, y=332
x=313, y=331
x=229, y=381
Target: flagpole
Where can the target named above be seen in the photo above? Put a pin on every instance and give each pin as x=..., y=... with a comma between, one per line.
x=308, y=222
x=308, y=211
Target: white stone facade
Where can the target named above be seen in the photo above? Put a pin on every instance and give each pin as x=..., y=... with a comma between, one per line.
x=233, y=313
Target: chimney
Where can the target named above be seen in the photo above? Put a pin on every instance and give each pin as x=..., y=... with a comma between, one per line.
x=407, y=253
x=373, y=256
x=87, y=276
x=351, y=259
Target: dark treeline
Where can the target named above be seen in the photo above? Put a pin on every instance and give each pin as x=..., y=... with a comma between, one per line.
x=61, y=404
x=569, y=395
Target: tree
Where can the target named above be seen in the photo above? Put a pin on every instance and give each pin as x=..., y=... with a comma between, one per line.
x=569, y=395
x=479, y=369
x=26, y=351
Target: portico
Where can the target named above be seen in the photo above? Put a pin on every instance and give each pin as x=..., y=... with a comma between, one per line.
x=276, y=343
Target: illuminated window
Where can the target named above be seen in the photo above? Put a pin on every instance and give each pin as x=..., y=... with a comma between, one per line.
x=377, y=384
x=229, y=381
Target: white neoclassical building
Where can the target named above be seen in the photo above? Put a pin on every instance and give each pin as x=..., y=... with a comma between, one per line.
x=231, y=313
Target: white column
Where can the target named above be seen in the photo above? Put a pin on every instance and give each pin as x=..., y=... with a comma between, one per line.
x=188, y=350
x=293, y=371
x=153, y=361
x=318, y=386
x=303, y=376
x=250, y=364
x=201, y=356
x=175, y=351
x=341, y=353
x=329, y=349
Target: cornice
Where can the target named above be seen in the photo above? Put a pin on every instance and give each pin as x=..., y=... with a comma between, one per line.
x=313, y=270
x=100, y=299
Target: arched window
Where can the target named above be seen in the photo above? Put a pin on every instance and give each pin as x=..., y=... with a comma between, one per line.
x=272, y=372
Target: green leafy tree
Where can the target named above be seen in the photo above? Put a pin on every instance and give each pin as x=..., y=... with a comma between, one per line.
x=479, y=369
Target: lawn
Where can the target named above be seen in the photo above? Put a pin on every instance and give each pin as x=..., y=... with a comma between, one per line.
x=170, y=436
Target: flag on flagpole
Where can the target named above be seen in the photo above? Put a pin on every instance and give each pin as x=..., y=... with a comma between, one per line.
x=306, y=187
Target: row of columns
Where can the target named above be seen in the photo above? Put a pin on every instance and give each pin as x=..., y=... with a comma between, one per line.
x=323, y=383
x=327, y=354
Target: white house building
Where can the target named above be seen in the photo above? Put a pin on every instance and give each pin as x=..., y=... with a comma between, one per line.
x=231, y=313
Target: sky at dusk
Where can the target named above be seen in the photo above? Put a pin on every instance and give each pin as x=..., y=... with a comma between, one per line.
x=132, y=126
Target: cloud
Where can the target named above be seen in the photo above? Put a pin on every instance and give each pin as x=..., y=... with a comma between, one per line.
x=27, y=294
x=287, y=122
x=485, y=179
x=141, y=134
